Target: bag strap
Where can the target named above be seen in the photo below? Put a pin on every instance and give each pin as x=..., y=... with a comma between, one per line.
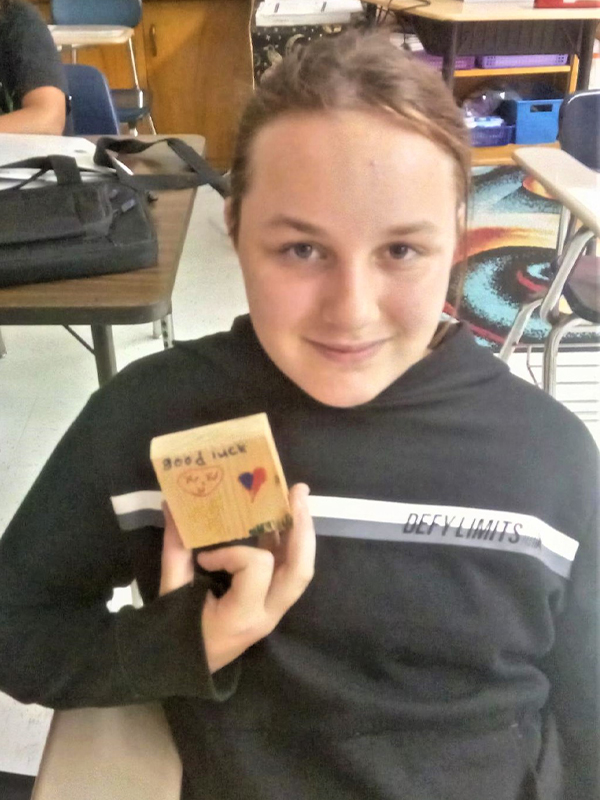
x=65, y=168
x=203, y=173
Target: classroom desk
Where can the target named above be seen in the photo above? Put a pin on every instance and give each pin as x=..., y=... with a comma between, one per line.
x=89, y=35
x=127, y=298
x=451, y=28
x=577, y=187
x=569, y=181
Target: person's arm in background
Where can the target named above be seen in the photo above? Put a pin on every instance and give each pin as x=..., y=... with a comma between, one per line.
x=43, y=110
x=34, y=84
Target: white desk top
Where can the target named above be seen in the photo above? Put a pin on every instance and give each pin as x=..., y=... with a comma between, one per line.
x=89, y=35
x=568, y=180
x=459, y=11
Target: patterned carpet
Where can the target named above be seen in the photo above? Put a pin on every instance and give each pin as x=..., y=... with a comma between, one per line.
x=511, y=239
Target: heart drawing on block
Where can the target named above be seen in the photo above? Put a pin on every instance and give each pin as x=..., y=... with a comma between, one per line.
x=252, y=481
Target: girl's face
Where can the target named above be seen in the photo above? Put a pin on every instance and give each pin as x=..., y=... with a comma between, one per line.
x=346, y=241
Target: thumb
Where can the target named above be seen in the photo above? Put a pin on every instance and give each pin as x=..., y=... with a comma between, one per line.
x=177, y=566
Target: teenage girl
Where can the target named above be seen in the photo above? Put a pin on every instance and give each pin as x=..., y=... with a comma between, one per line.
x=443, y=642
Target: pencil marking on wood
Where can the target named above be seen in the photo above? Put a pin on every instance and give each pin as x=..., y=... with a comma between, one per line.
x=200, y=481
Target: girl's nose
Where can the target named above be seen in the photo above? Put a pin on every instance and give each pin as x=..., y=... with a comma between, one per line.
x=351, y=296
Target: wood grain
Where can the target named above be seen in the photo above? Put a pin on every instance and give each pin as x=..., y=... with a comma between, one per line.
x=195, y=56
x=112, y=60
x=199, y=64
x=459, y=11
x=222, y=482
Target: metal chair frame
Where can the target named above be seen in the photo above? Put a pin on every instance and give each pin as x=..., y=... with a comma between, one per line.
x=548, y=305
x=571, y=244
x=136, y=83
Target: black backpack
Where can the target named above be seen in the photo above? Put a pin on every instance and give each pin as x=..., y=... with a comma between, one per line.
x=76, y=228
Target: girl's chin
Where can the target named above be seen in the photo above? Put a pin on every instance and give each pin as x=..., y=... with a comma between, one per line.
x=339, y=395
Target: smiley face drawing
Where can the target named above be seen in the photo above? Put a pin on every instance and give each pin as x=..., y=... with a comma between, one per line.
x=200, y=481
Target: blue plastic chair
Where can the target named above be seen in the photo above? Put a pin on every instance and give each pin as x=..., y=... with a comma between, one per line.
x=93, y=112
x=92, y=108
x=131, y=104
x=97, y=12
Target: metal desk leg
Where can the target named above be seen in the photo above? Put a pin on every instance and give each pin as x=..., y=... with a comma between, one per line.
x=450, y=56
x=104, y=352
x=2, y=346
x=586, y=53
x=166, y=326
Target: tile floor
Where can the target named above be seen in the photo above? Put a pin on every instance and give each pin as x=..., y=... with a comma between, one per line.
x=47, y=376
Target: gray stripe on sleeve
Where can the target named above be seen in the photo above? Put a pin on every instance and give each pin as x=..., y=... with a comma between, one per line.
x=141, y=518
x=453, y=536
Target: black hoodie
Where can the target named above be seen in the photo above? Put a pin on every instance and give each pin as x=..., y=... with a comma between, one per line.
x=451, y=627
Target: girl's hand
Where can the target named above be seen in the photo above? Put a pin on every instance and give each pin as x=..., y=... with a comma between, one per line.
x=265, y=582
x=177, y=562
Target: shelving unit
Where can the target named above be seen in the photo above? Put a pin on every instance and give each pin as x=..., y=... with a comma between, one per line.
x=520, y=71
x=452, y=28
x=465, y=79
x=498, y=156
x=564, y=77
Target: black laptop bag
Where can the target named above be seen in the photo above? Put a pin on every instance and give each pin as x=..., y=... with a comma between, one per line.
x=75, y=228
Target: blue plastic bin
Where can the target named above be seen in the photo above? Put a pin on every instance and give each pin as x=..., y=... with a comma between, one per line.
x=536, y=118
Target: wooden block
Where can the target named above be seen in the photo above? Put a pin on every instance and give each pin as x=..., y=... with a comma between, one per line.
x=223, y=481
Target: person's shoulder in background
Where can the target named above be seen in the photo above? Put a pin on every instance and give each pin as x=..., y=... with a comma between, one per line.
x=34, y=84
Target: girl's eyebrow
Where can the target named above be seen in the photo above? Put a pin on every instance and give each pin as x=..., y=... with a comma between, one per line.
x=283, y=221
x=420, y=226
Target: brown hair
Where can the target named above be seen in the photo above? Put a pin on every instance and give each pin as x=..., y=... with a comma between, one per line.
x=352, y=71
x=356, y=70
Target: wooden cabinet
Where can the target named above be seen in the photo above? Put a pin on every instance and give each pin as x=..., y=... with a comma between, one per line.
x=199, y=68
x=196, y=58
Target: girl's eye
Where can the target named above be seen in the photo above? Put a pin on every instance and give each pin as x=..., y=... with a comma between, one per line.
x=400, y=251
x=302, y=250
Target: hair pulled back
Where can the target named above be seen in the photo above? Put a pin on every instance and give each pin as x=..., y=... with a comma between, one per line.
x=353, y=71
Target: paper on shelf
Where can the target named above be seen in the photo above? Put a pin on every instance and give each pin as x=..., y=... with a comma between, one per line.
x=306, y=12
